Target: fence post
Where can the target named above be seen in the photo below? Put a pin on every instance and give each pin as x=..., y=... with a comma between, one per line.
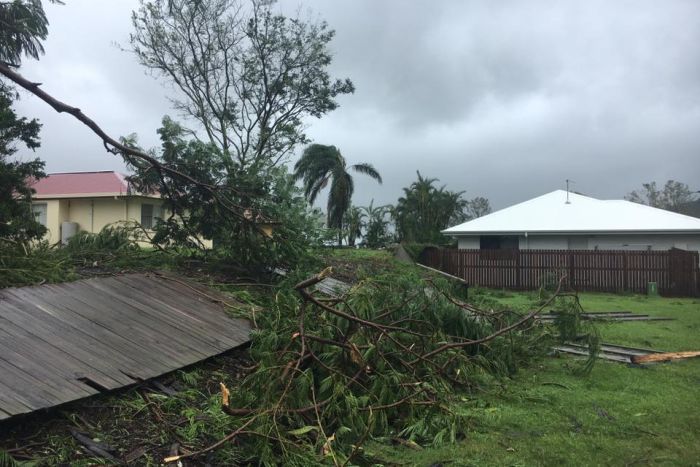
x=625, y=272
x=517, y=269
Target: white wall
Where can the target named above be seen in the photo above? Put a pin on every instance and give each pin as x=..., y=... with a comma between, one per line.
x=643, y=242
x=468, y=243
x=601, y=242
x=544, y=242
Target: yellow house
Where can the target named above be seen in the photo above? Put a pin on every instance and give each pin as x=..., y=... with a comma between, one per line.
x=66, y=203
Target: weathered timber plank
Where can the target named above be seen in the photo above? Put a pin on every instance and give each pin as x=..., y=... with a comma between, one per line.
x=29, y=388
x=105, y=330
x=13, y=403
x=203, y=291
x=179, y=310
x=162, y=320
x=164, y=293
x=190, y=305
x=58, y=309
x=602, y=355
x=444, y=274
x=44, y=338
x=121, y=321
x=11, y=354
x=174, y=337
x=90, y=341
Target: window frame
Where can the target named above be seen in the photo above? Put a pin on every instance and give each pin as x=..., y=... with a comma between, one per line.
x=150, y=217
x=37, y=215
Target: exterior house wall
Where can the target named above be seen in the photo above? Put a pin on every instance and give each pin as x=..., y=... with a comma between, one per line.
x=468, y=243
x=53, y=220
x=543, y=242
x=93, y=214
x=108, y=211
x=658, y=242
x=643, y=242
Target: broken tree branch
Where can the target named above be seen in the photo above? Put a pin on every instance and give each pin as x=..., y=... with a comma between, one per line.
x=115, y=147
x=664, y=357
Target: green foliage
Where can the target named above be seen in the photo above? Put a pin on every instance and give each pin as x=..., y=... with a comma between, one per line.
x=113, y=242
x=114, y=248
x=320, y=165
x=425, y=210
x=377, y=234
x=17, y=223
x=415, y=250
x=359, y=384
x=23, y=25
x=354, y=222
x=6, y=460
x=249, y=75
x=616, y=415
x=33, y=264
x=571, y=327
x=232, y=217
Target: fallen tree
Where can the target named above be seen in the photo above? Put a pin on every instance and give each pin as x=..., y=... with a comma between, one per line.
x=389, y=359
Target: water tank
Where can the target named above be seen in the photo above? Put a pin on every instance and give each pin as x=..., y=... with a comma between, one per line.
x=68, y=229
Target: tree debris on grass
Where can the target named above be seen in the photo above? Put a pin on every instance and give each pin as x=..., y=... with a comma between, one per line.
x=385, y=360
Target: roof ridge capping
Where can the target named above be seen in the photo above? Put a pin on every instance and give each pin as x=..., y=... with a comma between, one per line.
x=85, y=172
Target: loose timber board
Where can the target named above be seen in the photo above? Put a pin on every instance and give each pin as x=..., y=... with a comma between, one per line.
x=63, y=342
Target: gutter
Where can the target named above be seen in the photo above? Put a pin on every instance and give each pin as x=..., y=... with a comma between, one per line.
x=571, y=232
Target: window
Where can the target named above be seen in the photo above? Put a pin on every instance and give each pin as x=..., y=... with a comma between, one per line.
x=147, y=219
x=39, y=211
x=149, y=214
x=498, y=242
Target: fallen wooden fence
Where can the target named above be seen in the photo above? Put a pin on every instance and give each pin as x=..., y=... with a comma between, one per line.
x=607, y=316
x=63, y=342
x=612, y=352
x=675, y=272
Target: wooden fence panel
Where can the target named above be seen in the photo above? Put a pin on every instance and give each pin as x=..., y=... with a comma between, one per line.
x=675, y=271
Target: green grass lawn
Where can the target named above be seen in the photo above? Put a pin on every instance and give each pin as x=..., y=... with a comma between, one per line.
x=616, y=415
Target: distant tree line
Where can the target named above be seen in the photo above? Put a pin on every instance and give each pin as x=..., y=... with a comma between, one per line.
x=420, y=215
x=673, y=196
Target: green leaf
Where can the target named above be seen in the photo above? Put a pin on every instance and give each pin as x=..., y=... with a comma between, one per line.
x=303, y=430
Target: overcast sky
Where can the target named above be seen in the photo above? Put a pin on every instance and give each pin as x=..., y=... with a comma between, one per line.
x=501, y=99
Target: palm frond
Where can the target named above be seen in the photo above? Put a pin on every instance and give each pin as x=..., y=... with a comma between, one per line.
x=367, y=169
x=317, y=186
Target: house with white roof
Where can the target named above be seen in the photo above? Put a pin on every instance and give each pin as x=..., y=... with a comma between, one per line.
x=563, y=220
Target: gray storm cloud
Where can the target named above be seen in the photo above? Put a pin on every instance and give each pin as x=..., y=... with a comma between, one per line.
x=504, y=100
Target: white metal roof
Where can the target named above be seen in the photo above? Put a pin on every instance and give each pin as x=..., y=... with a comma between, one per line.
x=551, y=214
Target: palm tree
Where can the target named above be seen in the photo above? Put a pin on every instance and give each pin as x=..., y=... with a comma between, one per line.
x=377, y=234
x=425, y=210
x=319, y=165
x=354, y=221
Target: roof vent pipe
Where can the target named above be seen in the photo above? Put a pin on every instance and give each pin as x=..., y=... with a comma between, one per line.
x=567, y=190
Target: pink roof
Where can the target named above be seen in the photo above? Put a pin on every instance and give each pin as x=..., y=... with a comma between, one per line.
x=82, y=183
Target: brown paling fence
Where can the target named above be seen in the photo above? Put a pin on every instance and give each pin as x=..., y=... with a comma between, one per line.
x=675, y=271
